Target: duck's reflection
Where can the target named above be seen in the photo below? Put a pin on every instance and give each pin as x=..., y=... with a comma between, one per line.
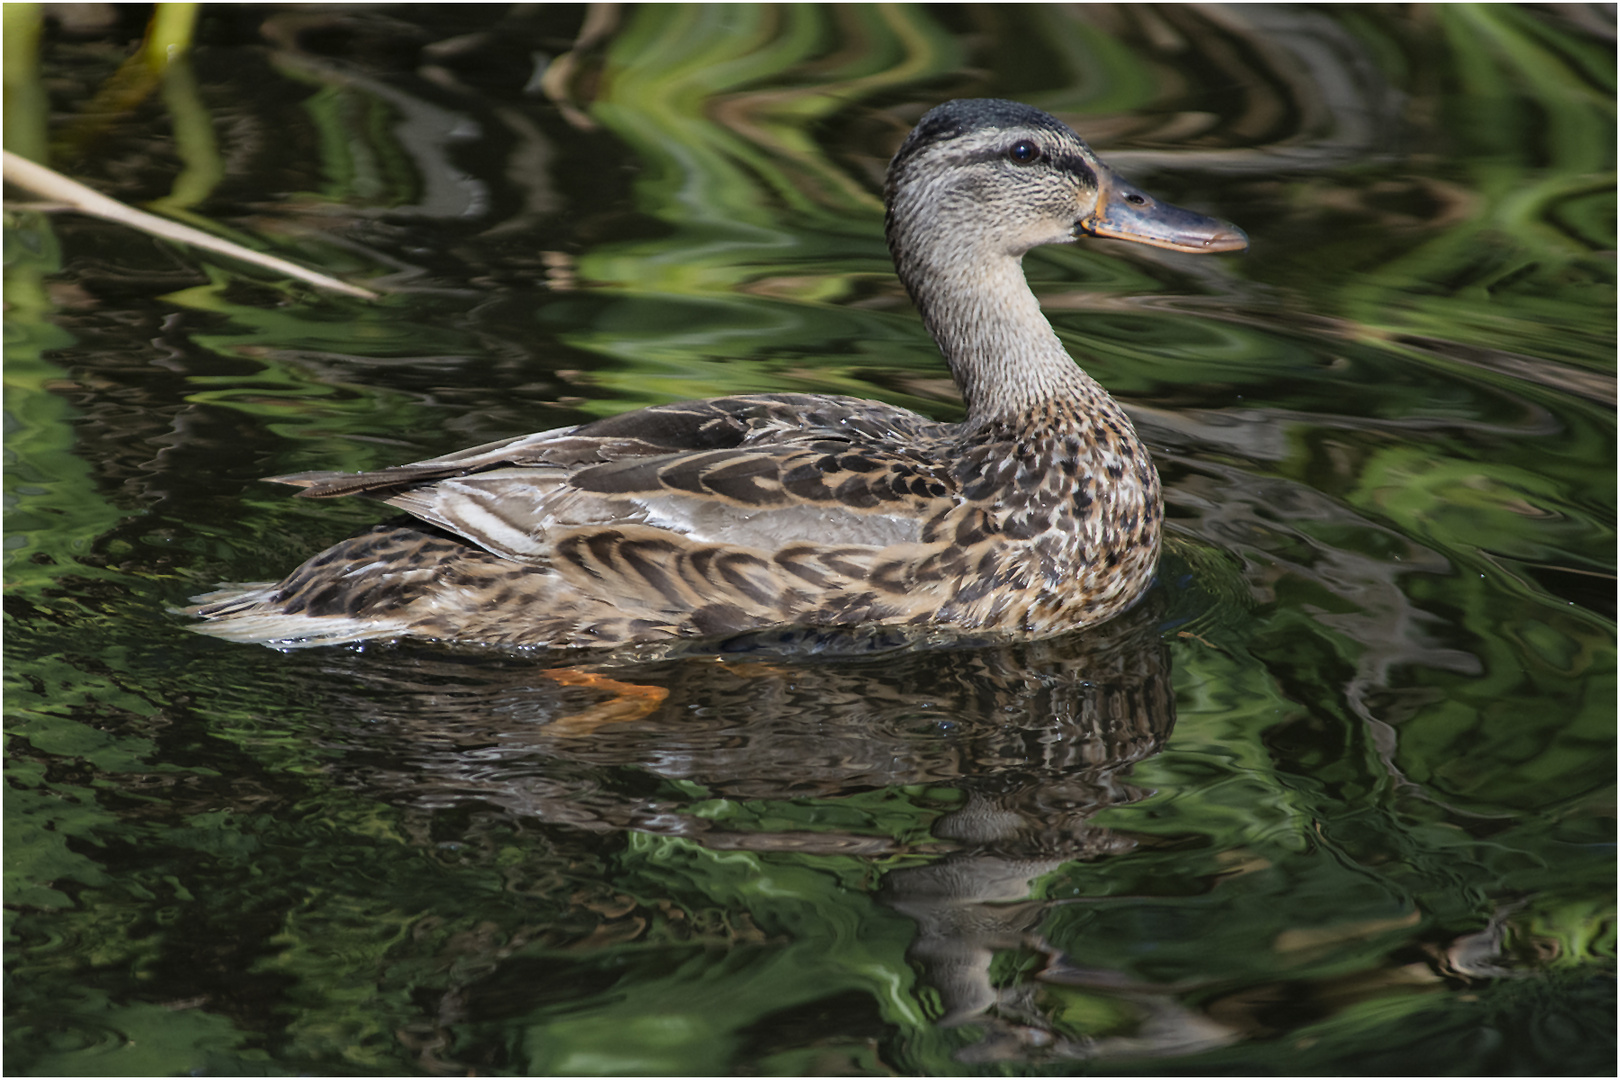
x=1024, y=743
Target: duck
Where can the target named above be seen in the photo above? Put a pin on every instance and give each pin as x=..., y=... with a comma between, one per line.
x=1038, y=513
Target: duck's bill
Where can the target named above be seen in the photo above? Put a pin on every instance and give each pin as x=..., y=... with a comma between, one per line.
x=1125, y=213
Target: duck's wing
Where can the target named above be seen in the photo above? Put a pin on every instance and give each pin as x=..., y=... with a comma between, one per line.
x=658, y=431
x=759, y=472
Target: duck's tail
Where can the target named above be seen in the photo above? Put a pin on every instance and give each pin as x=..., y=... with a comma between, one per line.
x=256, y=613
x=368, y=587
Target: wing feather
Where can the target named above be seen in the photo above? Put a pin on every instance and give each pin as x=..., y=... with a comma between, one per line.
x=687, y=500
x=689, y=427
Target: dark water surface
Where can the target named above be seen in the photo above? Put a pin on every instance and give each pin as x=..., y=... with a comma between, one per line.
x=1338, y=798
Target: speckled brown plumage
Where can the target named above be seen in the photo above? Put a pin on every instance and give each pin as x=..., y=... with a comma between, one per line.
x=1039, y=513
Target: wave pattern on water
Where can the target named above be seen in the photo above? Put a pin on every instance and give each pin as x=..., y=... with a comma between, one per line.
x=1336, y=797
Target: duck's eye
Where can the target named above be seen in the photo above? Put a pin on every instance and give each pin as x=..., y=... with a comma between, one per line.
x=1023, y=152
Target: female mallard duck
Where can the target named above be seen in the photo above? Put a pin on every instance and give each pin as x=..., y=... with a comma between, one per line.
x=1039, y=513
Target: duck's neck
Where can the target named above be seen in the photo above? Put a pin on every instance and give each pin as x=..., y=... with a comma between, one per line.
x=1005, y=356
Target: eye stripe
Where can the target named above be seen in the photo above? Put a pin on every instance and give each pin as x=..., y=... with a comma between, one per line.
x=1074, y=163
x=1071, y=163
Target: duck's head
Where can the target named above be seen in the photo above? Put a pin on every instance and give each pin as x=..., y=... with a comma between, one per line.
x=991, y=176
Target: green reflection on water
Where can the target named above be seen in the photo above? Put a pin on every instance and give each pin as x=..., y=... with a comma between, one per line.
x=1375, y=838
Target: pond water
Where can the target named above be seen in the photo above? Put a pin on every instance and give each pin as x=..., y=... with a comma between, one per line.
x=1337, y=798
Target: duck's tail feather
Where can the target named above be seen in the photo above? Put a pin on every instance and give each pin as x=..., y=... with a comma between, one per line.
x=254, y=613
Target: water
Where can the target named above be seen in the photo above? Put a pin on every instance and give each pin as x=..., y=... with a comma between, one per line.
x=1336, y=799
